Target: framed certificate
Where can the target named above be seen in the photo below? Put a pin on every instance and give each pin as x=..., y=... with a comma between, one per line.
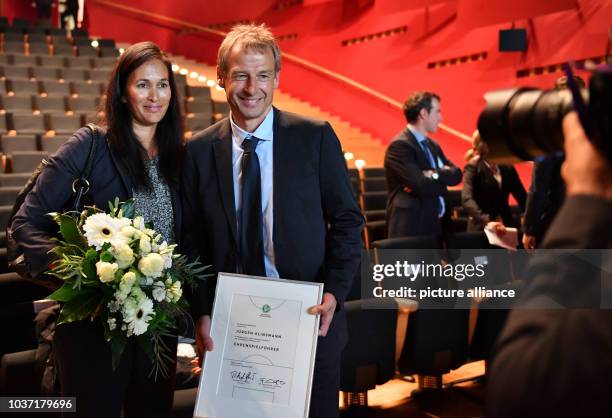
x=265, y=344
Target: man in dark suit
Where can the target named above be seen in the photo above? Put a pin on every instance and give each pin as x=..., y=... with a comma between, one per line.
x=418, y=172
x=267, y=193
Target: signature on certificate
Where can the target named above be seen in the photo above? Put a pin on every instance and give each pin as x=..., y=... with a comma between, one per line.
x=242, y=377
x=268, y=382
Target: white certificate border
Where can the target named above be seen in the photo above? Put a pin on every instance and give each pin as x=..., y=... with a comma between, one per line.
x=207, y=399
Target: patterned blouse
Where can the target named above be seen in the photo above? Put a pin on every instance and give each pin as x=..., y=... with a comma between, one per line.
x=156, y=205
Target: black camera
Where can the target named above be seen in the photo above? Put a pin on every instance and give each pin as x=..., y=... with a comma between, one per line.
x=525, y=123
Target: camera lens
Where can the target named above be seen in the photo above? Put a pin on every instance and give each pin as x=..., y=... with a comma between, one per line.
x=521, y=124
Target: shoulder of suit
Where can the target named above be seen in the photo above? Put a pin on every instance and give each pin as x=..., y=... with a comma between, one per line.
x=402, y=138
x=212, y=133
x=80, y=141
x=290, y=119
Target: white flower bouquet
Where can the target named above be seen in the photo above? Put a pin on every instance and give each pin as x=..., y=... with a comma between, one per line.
x=117, y=269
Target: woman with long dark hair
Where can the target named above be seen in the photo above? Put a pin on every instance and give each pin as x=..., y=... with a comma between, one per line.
x=486, y=187
x=138, y=156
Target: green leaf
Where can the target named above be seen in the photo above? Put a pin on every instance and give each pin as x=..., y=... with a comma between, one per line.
x=106, y=256
x=81, y=306
x=129, y=209
x=64, y=293
x=89, y=264
x=69, y=230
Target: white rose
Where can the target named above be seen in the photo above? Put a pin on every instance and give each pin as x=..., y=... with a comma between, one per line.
x=145, y=245
x=151, y=265
x=106, y=271
x=130, y=232
x=127, y=281
x=123, y=255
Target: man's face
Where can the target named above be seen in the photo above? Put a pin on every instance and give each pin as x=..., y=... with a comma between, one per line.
x=432, y=119
x=249, y=85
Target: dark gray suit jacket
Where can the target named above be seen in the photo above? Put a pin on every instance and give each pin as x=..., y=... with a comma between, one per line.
x=317, y=224
x=415, y=212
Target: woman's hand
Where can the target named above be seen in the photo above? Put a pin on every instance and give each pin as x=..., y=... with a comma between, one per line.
x=497, y=227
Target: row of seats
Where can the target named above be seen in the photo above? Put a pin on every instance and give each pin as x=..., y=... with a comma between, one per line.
x=20, y=124
x=54, y=41
x=370, y=190
x=57, y=62
x=24, y=123
x=26, y=88
x=49, y=104
x=461, y=335
x=58, y=49
x=24, y=25
x=14, y=72
x=61, y=96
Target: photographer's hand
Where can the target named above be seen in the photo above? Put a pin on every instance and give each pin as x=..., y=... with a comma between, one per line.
x=585, y=170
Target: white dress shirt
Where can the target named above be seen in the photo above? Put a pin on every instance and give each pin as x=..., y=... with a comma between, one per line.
x=264, y=151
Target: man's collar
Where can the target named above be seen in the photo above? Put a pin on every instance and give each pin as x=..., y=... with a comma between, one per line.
x=417, y=134
x=264, y=131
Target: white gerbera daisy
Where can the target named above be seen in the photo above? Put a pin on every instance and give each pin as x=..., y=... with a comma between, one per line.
x=101, y=228
x=137, y=315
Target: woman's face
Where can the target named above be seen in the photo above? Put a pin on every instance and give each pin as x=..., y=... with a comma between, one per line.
x=148, y=93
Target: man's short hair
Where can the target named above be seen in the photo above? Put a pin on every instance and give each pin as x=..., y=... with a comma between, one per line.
x=252, y=37
x=416, y=102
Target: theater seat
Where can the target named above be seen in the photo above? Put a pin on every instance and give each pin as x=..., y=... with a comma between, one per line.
x=365, y=365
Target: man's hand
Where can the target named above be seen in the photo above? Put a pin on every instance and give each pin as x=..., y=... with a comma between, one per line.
x=497, y=227
x=326, y=309
x=203, y=339
x=585, y=170
x=529, y=242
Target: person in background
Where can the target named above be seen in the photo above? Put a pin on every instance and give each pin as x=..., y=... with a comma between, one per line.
x=547, y=190
x=486, y=188
x=553, y=360
x=418, y=172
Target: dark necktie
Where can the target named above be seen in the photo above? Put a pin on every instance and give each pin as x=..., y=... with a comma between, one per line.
x=432, y=162
x=251, y=236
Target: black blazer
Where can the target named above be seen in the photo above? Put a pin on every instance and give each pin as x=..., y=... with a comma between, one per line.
x=482, y=197
x=415, y=212
x=33, y=228
x=317, y=224
x=546, y=194
x=562, y=351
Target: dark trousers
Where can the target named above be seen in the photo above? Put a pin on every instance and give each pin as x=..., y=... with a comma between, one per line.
x=83, y=361
x=324, y=397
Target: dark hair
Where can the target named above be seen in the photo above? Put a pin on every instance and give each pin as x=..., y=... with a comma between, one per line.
x=416, y=102
x=561, y=82
x=169, y=136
